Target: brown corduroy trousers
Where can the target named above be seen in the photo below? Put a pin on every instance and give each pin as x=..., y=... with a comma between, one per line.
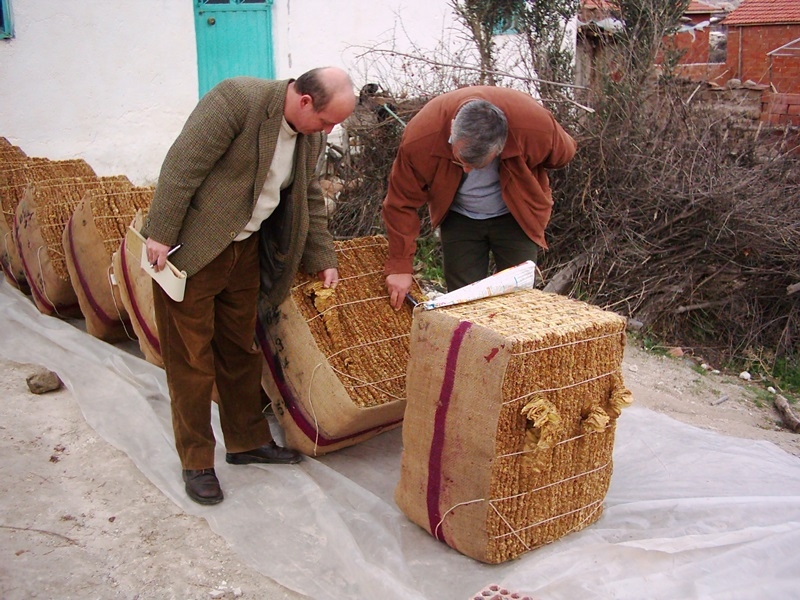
x=208, y=338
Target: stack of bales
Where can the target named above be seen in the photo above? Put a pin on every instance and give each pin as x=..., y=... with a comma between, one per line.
x=62, y=228
x=15, y=177
x=335, y=360
x=509, y=428
x=42, y=215
x=93, y=234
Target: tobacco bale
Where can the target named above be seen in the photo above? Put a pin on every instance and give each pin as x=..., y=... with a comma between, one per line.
x=336, y=359
x=15, y=176
x=19, y=174
x=93, y=233
x=509, y=429
x=41, y=217
x=9, y=259
x=10, y=152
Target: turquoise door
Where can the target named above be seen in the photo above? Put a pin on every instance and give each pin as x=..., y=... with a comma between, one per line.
x=234, y=37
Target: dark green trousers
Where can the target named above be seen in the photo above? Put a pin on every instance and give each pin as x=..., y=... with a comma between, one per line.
x=467, y=245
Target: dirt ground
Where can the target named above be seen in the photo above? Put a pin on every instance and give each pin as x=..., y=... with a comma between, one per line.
x=80, y=521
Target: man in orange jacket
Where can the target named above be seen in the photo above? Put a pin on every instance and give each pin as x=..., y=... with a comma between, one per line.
x=477, y=156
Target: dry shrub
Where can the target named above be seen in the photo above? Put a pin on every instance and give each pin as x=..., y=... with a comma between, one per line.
x=688, y=224
x=374, y=132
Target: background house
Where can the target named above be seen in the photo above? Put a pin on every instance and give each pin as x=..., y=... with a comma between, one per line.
x=754, y=47
x=756, y=29
x=702, y=39
x=693, y=38
x=113, y=82
x=764, y=47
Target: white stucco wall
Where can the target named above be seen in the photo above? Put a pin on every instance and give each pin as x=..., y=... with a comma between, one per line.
x=311, y=33
x=113, y=82
x=109, y=82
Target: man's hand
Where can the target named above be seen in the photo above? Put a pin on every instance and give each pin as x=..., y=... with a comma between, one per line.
x=398, y=285
x=156, y=254
x=329, y=278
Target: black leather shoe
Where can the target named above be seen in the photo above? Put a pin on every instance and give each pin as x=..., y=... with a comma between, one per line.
x=271, y=453
x=202, y=486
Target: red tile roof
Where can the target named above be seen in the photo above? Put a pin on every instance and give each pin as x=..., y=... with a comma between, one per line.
x=590, y=4
x=696, y=7
x=765, y=12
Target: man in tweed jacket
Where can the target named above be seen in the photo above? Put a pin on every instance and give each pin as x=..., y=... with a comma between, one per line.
x=238, y=193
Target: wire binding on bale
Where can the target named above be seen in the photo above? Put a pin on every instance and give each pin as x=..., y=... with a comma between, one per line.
x=498, y=470
x=56, y=200
x=348, y=320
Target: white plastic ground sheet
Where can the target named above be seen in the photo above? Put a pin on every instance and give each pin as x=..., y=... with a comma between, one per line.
x=690, y=513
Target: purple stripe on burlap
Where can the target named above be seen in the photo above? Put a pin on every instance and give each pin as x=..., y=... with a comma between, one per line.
x=8, y=271
x=152, y=339
x=292, y=404
x=106, y=319
x=9, y=275
x=439, y=425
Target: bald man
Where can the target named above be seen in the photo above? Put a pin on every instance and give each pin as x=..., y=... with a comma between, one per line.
x=239, y=200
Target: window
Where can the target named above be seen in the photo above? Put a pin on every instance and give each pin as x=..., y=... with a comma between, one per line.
x=717, y=44
x=507, y=26
x=6, y=24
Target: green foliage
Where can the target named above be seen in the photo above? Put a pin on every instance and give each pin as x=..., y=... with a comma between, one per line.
x=788, y=373
x=653, y=345
x=698, y=369
x=483, y=18
x=637, y=46
x=543, y=26
x=428, y=262
x=783, y=373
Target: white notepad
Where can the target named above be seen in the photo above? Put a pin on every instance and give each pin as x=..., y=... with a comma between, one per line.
x=170, y=278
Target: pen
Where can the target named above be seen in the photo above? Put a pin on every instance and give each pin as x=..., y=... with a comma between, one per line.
x=170, y=253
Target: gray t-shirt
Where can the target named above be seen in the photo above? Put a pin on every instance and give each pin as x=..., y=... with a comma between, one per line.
x=479, y=195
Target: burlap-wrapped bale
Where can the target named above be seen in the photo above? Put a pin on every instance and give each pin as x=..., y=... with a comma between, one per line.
x=8, y=249
x=335, y=360
x=15, y=176
x=94, y=232
x=10, y=151
x=509, y=428
x=9, y=154
x=41, y=217
x=136, y=291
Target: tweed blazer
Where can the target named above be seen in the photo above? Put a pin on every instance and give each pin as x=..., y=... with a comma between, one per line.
x=214, y=172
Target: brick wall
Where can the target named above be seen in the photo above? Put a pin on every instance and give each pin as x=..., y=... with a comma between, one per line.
x=716, y=72
x=780, y=109
x=694, y=46
x=747, y=56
